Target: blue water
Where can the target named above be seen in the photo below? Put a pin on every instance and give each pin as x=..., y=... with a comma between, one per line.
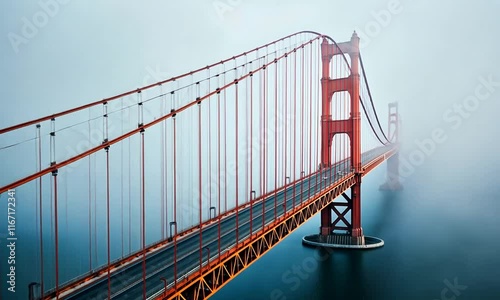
x=441, y=238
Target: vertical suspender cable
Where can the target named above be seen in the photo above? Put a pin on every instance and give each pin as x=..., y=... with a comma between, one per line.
x=209, y=149
x=40, y=197
x=218, y=168
x=251, y=154
x=341, y=69
x=200, y=178
x=342, y=114
x=285, y=146
x=310, y=121
x=165, y=164
x=294, y=144
x=318, y=132
x=162, y=166
x=52, y=134
x=247, y=188
x=65, y=186
x=314, y=98
x=225, y=143
x=338, y=140
x=38, y=208
x=95, y=208
x=263, y=144
x=275, y=138
x=266, y=129
x=121, y=180
x=108, y=248
x=302, y=117
x=334, y=105
x=339, y=112
x=90, y=199
x=143, y=215
x=336, y=69
x=143, y=193
x=348, y=108
x=129, y=188
x=175, y=187
x=261, y=140
x=108, y=238
x=340, y=108
x=54, y=175
x=237, y=158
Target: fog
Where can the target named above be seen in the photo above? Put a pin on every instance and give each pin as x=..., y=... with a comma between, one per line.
x=439, y=60
x=428, y=56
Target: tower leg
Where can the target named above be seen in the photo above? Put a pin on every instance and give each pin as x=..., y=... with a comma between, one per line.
x=392, y=183
x=326, y=221
x=356, y=231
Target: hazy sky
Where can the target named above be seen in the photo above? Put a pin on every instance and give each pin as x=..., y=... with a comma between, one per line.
x=439, y=59
x=428, y=55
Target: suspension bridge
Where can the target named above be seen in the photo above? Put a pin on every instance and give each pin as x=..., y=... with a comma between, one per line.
x=171, y=190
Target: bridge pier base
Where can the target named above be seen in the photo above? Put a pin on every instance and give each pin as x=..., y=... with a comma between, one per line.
x=391, y=186
x=342, y=241
x=343, y=233
x=357, y=237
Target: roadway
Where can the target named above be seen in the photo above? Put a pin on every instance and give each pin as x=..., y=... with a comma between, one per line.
x=126, y=283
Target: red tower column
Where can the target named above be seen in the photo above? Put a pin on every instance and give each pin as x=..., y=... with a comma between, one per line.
x=326, y=117
x=351, y=127
x=356, y=229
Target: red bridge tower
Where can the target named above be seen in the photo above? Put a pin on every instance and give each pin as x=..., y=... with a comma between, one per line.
x=338, y=229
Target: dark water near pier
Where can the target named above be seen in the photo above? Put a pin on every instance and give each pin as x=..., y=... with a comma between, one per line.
x=441, y=242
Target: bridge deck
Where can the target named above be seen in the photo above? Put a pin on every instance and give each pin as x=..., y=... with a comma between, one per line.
x=126, y=281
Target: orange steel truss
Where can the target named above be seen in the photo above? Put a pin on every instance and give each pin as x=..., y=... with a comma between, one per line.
x=221, y=270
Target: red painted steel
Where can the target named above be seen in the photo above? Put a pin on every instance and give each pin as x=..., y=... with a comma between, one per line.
x=295, y=161
x=56, y=229
x=351, y=127
x=135, y=131
x=143, y=215
x=236, y=161
x=108, y=238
